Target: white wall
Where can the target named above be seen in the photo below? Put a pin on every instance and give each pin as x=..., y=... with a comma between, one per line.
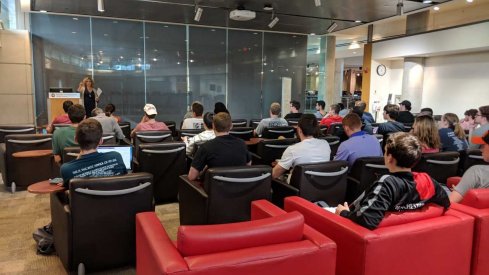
x=382, y=86
x=455, y=83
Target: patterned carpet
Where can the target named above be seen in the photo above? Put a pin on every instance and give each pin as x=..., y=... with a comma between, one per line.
x=22, y=213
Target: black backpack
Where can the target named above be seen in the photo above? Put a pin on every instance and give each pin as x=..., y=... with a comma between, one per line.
x=44, y=239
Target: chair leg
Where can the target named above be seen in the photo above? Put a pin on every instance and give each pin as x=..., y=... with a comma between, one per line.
x=81, y=269
x=13, y=187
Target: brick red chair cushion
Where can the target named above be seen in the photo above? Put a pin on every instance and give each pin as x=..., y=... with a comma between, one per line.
x=477, y=198
x=195, y=240
x=453, y=181
x=398, y=218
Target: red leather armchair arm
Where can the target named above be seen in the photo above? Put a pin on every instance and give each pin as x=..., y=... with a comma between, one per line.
x=155, y=252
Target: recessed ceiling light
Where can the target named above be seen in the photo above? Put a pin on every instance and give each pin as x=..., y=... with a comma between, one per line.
x=73, y=32
x=213, y=30
x=312, y=34
x=358, y=21
x=436, y=8
x=105, y=34
x=155, y=59
x=74, y=18
x=43, y=11
x=165, y=26
x=470, y=1
x=427, y=2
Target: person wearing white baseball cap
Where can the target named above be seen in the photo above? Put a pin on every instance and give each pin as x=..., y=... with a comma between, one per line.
x=477, y=175
x=148, y=122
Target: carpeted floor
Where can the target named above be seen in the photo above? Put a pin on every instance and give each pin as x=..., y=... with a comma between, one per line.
x=22, y=213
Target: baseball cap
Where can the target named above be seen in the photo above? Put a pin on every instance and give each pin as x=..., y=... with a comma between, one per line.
x=150, y=109
x=481, y=139
x=406, y=103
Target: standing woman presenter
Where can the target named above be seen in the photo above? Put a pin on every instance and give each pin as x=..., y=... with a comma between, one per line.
x=89, y=95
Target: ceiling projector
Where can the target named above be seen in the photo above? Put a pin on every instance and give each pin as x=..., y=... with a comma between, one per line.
x=242, y=15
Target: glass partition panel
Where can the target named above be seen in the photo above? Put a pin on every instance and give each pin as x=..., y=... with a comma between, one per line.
x=284, y=56
x=244, y=74
x=118, y=60
x=207, y=66
x=61, y=54
x=166, y=74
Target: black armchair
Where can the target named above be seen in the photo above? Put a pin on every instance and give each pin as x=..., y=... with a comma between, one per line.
x=364, y=172
x=15, y=130
x=225, y=195
x=267, y=151
x=70, y=153
x=239, y=122
x=96, y=228
x=126, y=129
x=439, y=166
x=276, y=132
x=245, y=133
x=324, y=181
x=166, y=162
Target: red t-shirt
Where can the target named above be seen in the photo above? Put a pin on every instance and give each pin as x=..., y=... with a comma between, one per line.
x=62, y=119
x=331, y=119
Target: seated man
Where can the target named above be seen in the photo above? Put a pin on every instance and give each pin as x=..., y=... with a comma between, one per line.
x=391, y=111
x=61, y=119
x=477, y=175
x=405, y=115
x=481, y=118
x=309, y=150
x=224, y=150
x=360, y=144
x=208, y=134
x=90, y=163
x=148, y=122
x=400, y=190
x=109, y=124
x=294, y=110
x=362, y=106
x=366, y=126
x=65, y=136
x=320, y=112
x=332, y=116
x=195, y=122
x=273, y=121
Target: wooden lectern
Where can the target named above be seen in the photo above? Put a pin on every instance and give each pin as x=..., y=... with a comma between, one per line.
x=55, y=103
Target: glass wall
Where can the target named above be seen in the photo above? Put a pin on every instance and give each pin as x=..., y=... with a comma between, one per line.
x=136, y=62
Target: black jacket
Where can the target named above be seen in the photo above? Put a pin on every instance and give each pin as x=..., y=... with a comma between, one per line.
x=405, y=117
x=395, y=192
x=390, y=127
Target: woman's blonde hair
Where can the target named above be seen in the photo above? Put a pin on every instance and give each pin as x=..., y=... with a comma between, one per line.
x=424, y=128
x=88, y=78
x=454, y=124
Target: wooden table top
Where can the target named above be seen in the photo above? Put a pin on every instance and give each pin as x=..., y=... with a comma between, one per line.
x=253, y=141
x=44, y=187
x=33, y=153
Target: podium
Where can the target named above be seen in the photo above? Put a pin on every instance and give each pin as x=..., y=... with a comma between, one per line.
x=55, y=103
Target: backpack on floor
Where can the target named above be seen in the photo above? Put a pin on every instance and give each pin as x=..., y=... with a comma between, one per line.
x=44, y=240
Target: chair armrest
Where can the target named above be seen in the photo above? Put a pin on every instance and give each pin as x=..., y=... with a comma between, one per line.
x=62, y=228
x=352, y=179
x=471, y=211
x=281, y=190
x=192, y=202
x=155, y=252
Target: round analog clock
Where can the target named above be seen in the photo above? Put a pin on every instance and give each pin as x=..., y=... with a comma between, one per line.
x=381, y=70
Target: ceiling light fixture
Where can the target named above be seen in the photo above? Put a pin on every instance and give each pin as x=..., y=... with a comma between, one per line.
x=436, y=8
x=470, y=1
x=274, y=20
x=332, y=27
x=427, y=2
x=317, y=3
x=100, y=5
x=198, y=13
x=400, y=8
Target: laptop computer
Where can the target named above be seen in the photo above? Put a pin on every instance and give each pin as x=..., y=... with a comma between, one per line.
x=124, y=150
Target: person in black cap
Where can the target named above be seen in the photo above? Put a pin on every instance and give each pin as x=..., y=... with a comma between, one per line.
x=405, y=115
x=475, y=176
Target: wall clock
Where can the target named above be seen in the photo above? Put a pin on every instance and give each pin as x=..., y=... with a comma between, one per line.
x=381, y=70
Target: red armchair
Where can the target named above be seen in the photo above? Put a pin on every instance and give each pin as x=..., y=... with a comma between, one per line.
x=276, y=245
x=426, y=241
x=476, y=204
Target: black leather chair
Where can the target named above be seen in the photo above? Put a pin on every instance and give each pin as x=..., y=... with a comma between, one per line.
x=150, y=137
x=70, y=153
x=323, y=130
x=408, y=127
x=335, y=129
x=267, y=151
x=94, y=228
x=334, y=143
x=469, y=158
x=109, y=139
x=15, y=130
x=20, y=172
x=439, y=166
x=276, y=132
x=254, y=122
x=239, y=122
x=364, y=172
x=189, y=132
x=172, y=126
x=126, y=129
x=166, y=162
x=244, y=133
x=324, y=181
x=224, y=196
x=293, y=121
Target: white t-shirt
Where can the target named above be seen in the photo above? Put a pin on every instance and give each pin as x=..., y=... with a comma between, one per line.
x=193, y=123
x=310, y=150
x=202, y=137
